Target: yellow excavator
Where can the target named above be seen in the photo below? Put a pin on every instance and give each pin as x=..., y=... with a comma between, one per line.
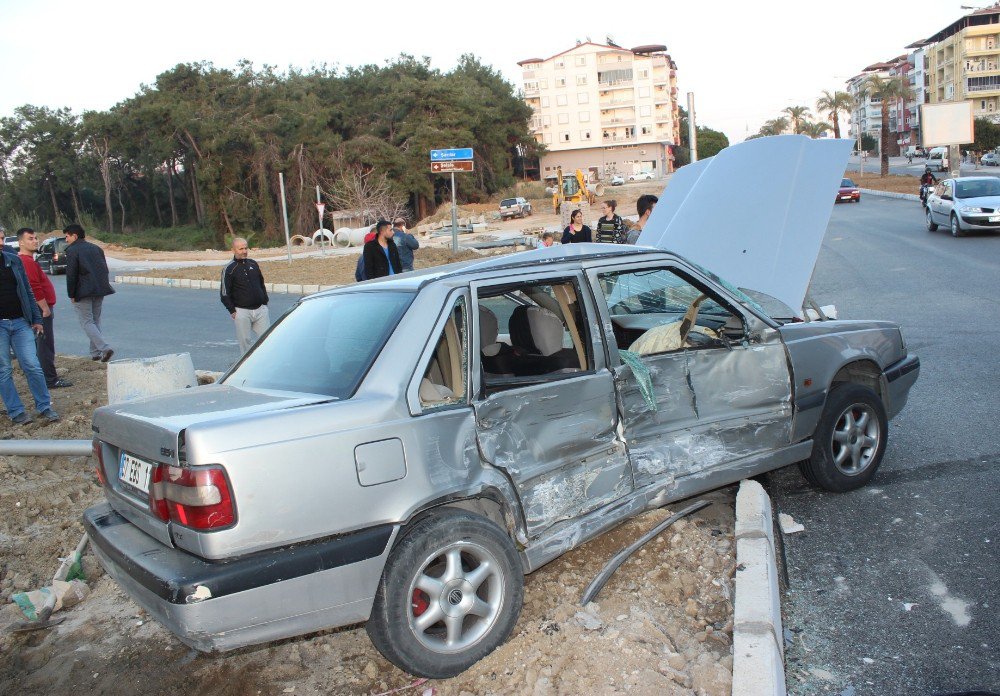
x=574, y=189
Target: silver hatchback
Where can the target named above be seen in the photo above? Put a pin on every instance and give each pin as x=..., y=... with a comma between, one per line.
x=967, y=203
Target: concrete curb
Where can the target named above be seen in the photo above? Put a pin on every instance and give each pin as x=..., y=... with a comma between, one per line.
x=187, y=283
x=891, y=194
x=758, y=646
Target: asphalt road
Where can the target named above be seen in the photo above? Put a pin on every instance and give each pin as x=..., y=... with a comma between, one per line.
x=893, y=588
x=140, y=321
x=899, y=165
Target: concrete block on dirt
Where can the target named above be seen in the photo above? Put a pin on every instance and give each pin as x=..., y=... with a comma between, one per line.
x=185, y=282
x=757, y=666
x=278, y=287
x=753, y=513
x=757, y=602
x=159, y=281
x=294, y=289
x=310, y=289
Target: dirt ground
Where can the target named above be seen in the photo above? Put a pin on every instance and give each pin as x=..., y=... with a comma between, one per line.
x=663, y=624
x=893, y=182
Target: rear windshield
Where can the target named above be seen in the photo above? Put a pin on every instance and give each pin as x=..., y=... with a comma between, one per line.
x=508, y=201
x=977, y=188
x=324, y=346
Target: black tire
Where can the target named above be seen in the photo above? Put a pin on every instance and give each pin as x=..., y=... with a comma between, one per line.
x=847, y=450
x=931, y=225
x=956, y=226
x=399, y=602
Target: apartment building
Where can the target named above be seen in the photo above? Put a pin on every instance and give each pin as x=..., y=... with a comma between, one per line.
x=604, y=109
x=867, y=114
x=963, y=62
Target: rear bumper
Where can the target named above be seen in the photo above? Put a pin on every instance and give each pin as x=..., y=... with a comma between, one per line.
x=252, y=599
x=900, y=376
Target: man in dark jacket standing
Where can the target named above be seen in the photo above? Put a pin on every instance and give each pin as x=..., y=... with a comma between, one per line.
x=243, y=293
x=20, y=322
x=87, y=285
x=405, y=242
x=381, y=257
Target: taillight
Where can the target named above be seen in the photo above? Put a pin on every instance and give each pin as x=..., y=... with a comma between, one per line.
x=99, y=456
x=197, y=498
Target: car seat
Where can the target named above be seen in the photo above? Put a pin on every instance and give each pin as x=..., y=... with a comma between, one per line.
x=536, y=334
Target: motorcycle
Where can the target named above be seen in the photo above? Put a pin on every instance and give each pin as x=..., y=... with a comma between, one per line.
x=924, y=190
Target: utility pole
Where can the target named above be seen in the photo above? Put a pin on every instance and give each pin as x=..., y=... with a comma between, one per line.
x=692, y=128
x=284, y=215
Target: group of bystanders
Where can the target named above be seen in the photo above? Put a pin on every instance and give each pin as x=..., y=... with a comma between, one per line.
x=611, y=227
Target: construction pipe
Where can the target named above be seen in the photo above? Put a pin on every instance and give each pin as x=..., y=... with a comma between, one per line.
x=596, y=189
x=300, y=240
x=352, y=236
x=45, y=448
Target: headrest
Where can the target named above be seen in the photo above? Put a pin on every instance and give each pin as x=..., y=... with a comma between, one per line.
x=536, y=330
x=488, y=329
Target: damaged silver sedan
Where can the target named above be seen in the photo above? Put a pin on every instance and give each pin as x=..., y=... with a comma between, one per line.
x=402, y=452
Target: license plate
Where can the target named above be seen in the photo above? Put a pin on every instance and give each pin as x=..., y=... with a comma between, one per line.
x=845, y=198
x=134, y=472
x=995, y=218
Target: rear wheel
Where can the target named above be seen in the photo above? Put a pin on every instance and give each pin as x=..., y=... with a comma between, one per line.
x=931, y=225
x=450, y=594
x=849, y=440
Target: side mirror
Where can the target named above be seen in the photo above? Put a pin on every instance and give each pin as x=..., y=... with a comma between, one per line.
x=946, y=197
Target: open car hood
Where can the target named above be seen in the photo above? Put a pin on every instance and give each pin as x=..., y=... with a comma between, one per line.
x=755, y=214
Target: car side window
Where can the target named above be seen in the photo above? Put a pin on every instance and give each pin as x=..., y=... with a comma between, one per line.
x=531, y=332
x=444, y=381
x=659, y=310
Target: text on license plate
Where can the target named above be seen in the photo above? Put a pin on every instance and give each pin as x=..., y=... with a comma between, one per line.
x=134, y=472
x=844, y=198
x=995, y=218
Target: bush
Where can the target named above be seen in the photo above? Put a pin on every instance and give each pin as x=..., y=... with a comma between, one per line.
x=183, y=238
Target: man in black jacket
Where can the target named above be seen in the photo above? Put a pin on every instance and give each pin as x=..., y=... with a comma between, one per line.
x=381, y=257
x=87, y=285
x=244, y=295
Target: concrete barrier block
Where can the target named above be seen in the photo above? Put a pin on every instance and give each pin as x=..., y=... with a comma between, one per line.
x=757, y=602
x=216, y=284
x=185, y=282
x=159, y=281
x=757, y=666
x=309, y=289
x=279, y=287
x=753, y=512
x=294, y=289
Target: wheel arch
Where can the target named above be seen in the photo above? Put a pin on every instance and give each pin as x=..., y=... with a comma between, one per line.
x=863, y=371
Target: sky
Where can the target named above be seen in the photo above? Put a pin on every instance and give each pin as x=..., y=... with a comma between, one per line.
x=744, y=61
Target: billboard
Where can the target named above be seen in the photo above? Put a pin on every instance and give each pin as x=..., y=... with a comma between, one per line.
x=948, y=123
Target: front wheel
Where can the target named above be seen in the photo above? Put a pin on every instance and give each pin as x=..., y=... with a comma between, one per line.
x=956, y=228
x=931, y=225
x=849, y=440
x=450, y=594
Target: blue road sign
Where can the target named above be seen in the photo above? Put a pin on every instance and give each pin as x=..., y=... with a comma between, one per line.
x=455, y=153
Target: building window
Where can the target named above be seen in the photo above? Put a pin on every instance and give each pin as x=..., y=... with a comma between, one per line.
x=548, y=138
x=644, y=74
x=581, y=80
x=580, y=60
x=560, y=82
x=585, y=135
x=646, y=130
x=560, y=64
x=543, y=83
x=530, y=86
x=560, y=100
x=645, y=110
x=582, y=98
x=563, y=118
x=644, y=91
x=583, y=116
x=564, y=137
x=546, y=121
x=545, y=102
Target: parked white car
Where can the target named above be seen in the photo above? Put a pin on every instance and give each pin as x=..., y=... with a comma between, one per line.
x=642, y=176
x=617, y=180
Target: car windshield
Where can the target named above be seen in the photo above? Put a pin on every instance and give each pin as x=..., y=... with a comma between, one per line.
x=325, y=345
x=977, y=188
x=846, y=183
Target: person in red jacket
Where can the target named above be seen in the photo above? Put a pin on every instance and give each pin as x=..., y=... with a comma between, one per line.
x=45, y=296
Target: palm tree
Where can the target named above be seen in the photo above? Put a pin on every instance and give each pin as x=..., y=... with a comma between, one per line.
x=815, y=130
x=886, y=90
x=796, y=114
x=775, y=126
x=832, y=105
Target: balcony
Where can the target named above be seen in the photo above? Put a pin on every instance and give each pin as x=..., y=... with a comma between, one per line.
x=613, y=102
x=616, y=84
x=617, y=121
x=530, y=91
x=614, y=138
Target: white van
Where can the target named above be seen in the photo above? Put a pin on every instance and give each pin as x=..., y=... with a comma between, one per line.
x=938, y=158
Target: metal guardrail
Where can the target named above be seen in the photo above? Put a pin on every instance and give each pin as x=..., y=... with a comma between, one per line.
x=46, y=448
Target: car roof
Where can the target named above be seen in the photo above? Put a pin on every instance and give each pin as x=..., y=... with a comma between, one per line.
x=531, y=260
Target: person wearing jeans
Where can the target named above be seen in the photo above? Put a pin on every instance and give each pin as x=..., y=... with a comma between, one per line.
x=20, y=322
x=87, y=285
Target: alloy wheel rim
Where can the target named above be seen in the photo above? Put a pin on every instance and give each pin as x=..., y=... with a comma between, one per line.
x=455, y=597
x=927, y=214
x=954, y=226
x=855, y=439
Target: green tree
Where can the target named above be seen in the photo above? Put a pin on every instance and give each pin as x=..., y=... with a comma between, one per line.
x=885, y=90
x=832, y=104
x=815, y=130
x=797, y=115
x=774, y=126
x=987, y=135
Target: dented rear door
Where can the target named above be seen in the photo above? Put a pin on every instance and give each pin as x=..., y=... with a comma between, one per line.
x=557, y=438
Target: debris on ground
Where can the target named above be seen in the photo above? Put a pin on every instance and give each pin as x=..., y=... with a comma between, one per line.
x=788, y=524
